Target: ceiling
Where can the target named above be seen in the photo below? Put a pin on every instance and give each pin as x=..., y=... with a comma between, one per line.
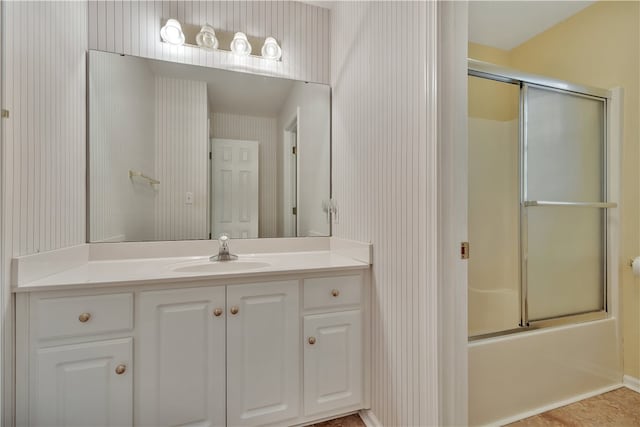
x=507, y=24
x=232, y=92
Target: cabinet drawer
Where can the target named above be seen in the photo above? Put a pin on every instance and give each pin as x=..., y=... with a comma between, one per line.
x=327, y=292
x=84, y=315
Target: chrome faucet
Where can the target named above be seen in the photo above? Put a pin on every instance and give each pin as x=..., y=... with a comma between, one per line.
x=223, y=252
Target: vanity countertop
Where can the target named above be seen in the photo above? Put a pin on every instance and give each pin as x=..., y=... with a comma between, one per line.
x=177, y=269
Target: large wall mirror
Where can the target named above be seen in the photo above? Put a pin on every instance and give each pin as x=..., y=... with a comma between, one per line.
x=181, y=152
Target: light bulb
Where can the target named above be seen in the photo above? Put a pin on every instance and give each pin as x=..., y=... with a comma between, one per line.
x=240, y=45
x=271, y=49
x=206, y=38
x=172, y=33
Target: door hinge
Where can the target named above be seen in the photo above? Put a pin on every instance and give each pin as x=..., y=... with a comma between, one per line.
x=210, y=155
x=464, y=250
x=294, y=211
x=293, y=150
x=209, y=236
x=5, y=114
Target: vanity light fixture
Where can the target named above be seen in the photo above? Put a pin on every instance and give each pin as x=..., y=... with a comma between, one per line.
x=206, y=38
x=271, y=49
x=240, y=45
x=172, y=33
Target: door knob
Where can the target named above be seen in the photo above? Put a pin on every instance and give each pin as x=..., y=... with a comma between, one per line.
x=234, y=310
x=217, y=312
x=84, y=317
x=121, y=369
x=312, y=340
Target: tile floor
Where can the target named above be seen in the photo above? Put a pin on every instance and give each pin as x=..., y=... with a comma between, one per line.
x=617, y=408
x=348, y=421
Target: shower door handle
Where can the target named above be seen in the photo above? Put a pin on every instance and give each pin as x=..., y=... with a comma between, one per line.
x=534, y=203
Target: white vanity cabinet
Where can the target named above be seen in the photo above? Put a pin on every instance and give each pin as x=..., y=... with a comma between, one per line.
x=180, y=357
x=263, y=353
x=184, y=336
x=285, y=350
x=332, y=361
x=79, y=360
x=84, y=384
x=333, y=357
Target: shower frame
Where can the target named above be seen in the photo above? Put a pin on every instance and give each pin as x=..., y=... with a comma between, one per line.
x=524, y=81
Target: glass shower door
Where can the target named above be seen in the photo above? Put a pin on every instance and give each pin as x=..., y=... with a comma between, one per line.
x=563, y=204
x=494, y=209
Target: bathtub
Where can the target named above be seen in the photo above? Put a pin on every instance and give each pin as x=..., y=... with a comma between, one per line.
x=519, y=375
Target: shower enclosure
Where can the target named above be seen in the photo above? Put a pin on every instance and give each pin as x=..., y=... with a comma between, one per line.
x=538, y=201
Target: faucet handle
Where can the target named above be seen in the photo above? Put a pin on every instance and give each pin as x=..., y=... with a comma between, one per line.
x=223, y=252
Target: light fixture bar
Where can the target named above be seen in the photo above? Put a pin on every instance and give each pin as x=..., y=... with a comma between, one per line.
x=207, y=38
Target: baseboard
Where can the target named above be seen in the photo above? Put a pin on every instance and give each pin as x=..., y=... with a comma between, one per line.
x=631, y=382
x=554, y=405
x=369, y=419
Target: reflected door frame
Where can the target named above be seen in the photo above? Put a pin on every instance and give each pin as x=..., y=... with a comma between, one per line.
x=291, y=176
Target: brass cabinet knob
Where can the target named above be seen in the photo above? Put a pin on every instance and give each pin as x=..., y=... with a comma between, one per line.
x=217, y=312
x=121, y=369
x=335, y=292
x=312, y=340
x=234, y=309
x=84, y=317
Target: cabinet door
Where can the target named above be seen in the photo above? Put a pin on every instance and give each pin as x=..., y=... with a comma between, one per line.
x=262, y=353
x=332, y=361
x=181, y=351
x=87, y=384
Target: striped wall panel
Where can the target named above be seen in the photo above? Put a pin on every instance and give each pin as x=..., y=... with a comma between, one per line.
x=43, y=87
x=133, y=28
x=182, y=159
x=383, y=159
x=264, y=130
x=384, y=181
x=43, y=140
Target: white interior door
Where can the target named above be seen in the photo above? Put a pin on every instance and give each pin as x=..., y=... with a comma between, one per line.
x=234, y=199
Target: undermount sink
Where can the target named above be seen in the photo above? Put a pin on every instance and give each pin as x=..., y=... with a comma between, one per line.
x=220, y=266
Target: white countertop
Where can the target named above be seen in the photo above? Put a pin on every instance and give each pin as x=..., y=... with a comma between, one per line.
x=163, y=270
